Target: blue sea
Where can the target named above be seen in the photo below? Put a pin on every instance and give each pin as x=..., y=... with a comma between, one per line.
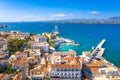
x=87, y=35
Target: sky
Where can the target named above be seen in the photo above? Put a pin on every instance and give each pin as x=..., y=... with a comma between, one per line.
x=42, y=10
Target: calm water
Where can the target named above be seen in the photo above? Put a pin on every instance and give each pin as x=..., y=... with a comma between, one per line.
x=87, y=35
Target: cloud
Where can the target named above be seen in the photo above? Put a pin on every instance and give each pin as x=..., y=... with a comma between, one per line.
x=61, y=15
x=58, y=15
x=29, y=18
x=93, y=12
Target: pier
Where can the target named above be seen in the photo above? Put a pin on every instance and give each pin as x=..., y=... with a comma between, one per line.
x=98, y=51
x=101, y=43
x=68, y=42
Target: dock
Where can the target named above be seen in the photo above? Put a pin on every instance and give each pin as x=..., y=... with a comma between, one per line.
x=101, y=43
x=99, y=51
x=68, y=42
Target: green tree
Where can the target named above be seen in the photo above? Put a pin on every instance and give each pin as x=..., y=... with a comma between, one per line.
x=15, y=45
x=51, y=43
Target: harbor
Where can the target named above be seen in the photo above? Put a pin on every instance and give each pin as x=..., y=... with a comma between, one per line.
x=68, y=42
x=46, y=58
x=99, y=51
x=62, y=41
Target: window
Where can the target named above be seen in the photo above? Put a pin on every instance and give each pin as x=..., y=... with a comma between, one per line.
x=72, y=73
x=65, y=73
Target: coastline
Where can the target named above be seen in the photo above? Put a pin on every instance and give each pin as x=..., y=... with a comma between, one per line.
x=43, y=47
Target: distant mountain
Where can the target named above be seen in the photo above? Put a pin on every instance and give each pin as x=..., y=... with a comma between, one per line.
x=89, y=21
x=114, y=18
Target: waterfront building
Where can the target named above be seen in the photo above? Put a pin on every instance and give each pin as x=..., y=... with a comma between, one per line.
x=86, y=57
x=99, y=70
x=68, y=67
x=87, y=54
x=15, y=32
x=65, y=71
x=62, y=54
x=59, y=68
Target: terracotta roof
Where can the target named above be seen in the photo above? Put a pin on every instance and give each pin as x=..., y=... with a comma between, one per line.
x=87, y=52
x=68, y=58
x=60, y=53
x=32, y=59
x=17, y=53
x=65, y=66
x=93, y=68
x=74, y=61
x=20, y=61
x=18, y=77
x=115, y=79
x=2, y=76
x=82, y=59
x=94, y=65
x=46, y=71
x=40, y=69
x=97, y=62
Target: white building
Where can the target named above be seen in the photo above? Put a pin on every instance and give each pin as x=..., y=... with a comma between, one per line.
x=62, y=54
x=34, y=52
x=65, y=71
x=39, y=38
x=65, y=68
x=43, y=46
